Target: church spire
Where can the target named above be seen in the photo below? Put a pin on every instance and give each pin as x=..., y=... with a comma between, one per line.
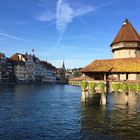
x=63, y=65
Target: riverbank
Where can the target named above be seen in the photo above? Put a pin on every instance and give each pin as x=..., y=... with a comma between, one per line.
x=45, y=83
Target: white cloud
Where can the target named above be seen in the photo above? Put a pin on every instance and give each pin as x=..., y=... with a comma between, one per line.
x=83, y=10
x=60, y=38
x=14, y=37
x=64, y=14
x=47, y=16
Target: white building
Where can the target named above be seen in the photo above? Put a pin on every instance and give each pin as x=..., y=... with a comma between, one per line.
x=5, y=68
x=19, y=67
x=38, y=69
x=30, y=68
x=49, y=72
x=24, y=67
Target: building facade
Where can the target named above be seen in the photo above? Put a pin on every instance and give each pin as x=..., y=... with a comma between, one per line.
x=61, y=74
x=30, y=68
x=38, y=69
x=19, y=68
x=25, y=68
x=5, y=69
x=49, y=72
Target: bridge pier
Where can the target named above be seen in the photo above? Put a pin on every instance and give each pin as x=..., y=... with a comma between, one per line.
x=103, y=99
x=126, y=98
x=84, y=95
x=96, y=98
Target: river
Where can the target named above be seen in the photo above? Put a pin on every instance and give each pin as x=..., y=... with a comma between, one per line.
x=54, y=112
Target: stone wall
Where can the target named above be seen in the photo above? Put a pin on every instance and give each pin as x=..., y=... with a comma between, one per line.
x=131, y=50
x=126, y=53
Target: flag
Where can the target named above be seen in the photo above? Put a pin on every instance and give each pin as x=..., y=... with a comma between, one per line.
x=33, y=50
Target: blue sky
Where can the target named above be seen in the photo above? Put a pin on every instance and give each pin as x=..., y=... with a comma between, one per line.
x=77, y=31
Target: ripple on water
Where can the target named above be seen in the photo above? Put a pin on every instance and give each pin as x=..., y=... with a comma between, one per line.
x=55, y=112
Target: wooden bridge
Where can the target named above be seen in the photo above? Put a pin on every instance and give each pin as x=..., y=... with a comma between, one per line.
x=101, y=94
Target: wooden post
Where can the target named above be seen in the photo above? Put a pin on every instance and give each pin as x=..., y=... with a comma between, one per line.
x=107, y=86
x=107, y=83
x=107, y=76
x=104, y=77
x=126, y=76
x=119, y=77
x=84, y=77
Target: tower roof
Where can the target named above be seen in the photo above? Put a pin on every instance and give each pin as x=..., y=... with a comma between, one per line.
x=63, y=65
x=127, y=33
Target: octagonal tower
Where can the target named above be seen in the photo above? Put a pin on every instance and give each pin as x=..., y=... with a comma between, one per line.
x=127, y=42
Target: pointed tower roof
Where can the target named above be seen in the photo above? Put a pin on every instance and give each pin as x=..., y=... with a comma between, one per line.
x=127, y=33
x=63, y=66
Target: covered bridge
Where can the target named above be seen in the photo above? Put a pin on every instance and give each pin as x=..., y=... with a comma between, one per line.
x=115, y=69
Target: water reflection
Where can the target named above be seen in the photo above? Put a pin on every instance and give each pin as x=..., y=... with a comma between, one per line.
x=39, y=112
x=55, y=112
x=116, y=120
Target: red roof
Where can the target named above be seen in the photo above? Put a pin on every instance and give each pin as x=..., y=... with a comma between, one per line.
x=16, y=60
x=15, y=57
x=48, y=65
x=127, y=33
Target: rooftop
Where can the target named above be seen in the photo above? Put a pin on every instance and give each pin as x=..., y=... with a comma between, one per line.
x=48, y=65
x=126, y=65
x=18, y=57
x=127, y=33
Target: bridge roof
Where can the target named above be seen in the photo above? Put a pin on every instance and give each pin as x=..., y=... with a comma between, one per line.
x=123, y=65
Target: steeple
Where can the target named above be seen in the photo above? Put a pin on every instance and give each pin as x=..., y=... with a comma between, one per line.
x=63, y=65
x=127, y=33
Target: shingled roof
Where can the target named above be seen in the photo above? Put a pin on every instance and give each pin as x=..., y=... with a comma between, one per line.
x=48, y=65
x=18, y=57
x=127, y=33
x=122, y=65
